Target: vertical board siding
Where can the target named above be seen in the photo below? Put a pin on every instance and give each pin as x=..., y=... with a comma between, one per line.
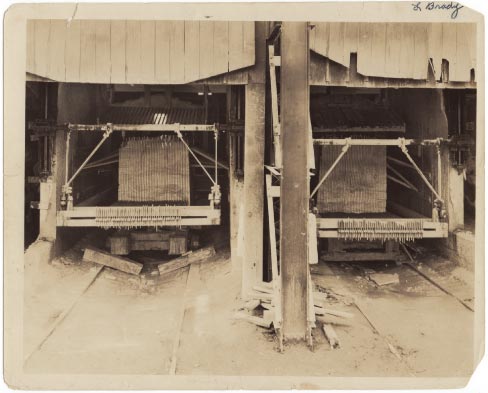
x=117, y=51
x=133, y=51
x=88, y=50
x=162, y=52
x=102, y=50
x=399, y=50
x=148, y=52
x=206, y=48
x=72, y=51
x=137, y=52
x=41, y=33
x=192, y=50
x=56, y=69
x=236, y=45
x=177, y=52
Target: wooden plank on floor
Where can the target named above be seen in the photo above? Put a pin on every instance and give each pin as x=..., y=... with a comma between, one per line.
x=103, y=258
x=186, y=260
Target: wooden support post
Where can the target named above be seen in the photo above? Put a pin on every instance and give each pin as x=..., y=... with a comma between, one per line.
x=294, y=182
x=252, y=269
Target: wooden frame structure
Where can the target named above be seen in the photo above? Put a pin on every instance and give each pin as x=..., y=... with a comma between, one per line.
x=141, y=215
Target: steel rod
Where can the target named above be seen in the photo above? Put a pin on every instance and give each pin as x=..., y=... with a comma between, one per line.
x=196, y=158
x=104, y=138
x=377, y=142
x=344, y=151
x=426, y=181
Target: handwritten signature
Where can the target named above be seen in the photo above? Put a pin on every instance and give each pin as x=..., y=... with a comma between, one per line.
x=434, y=6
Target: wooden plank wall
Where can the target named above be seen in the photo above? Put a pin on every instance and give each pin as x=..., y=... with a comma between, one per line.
x=137, y=52
x=399, y=50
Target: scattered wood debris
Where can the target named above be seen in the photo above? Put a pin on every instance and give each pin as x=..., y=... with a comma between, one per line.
x=384, y=278
x=186, y=260
x=114, y=261
x=266, y=323
x=331, y=336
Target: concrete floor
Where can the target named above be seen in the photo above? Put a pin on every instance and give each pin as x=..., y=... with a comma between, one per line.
x=184, y=323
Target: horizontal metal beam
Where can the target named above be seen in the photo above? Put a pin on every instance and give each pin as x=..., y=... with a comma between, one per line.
x=86, y=216
x=377, y=142
x=143, y=127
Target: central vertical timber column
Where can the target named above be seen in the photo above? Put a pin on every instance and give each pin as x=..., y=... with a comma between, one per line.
x=294, y=180
x=254, y=132
x=253, y=186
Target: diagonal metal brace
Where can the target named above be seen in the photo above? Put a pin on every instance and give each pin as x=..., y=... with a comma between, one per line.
x=180, y=136
x=404, y=149
x=345, y=148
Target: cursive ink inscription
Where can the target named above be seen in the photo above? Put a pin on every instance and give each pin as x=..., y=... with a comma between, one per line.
x=435, y=6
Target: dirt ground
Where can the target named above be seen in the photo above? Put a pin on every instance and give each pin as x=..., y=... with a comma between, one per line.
x=82, y=319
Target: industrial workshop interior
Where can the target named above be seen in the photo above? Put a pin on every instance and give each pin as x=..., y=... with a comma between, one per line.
x=250, y=198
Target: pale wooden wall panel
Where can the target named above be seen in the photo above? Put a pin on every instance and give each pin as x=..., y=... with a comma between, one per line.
x=102, y=50
x=393, y=49
x=98, y=51
x=462, y=72
x=399, y=50
x=249, y=54
x=221, y=48
x=72, y=51
x=378, y=53
x=336, y=46
x=177, y=52
x=117, y=51
x=31, y=46
x=56, y=69
x=133, y=51
x=41, y=29
x=449, y=46
x=206, y=48
x=148, y=40
x=420, y=58
x=88, y=50
x=365, y=63
x=162, y=52
x=435, y=48
x=192, y=50
x=236, y=45
x=407, y=51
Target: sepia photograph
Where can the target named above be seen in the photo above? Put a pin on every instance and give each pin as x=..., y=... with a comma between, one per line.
x=213, y=196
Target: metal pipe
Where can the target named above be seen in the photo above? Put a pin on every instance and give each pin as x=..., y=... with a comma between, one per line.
x=66, y=168
x=105, y=136
x=216, y=136
x=377, y=142
x=195, y=157
x=426, y=181
x=344, y=151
